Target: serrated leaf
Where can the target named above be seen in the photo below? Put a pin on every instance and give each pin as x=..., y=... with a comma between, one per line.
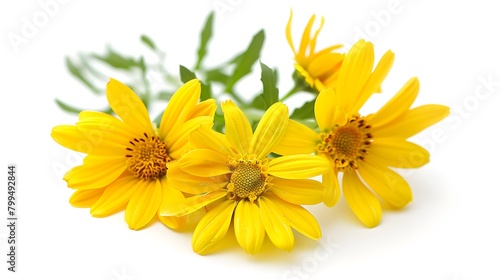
x=270, y=93
x=116, y=60
x=148, y=42
x=205, y=36
x=305, y=112
x=76, y=71
x=245, y=61
x=186, y=74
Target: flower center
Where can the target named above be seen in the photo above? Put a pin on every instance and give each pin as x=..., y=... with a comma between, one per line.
x=147, y=157
x=347, y=144
x=346, y=141
x=248, y=179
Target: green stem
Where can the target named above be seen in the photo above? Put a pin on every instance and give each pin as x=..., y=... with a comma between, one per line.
x=236, y=98
x=145, y=81
x=296, y=88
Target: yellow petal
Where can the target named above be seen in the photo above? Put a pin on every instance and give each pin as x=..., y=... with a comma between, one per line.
x=389, y=185
x=374, y=82
x=306, y=39
x=326, y=111
x=277, y=226
x=354, y=73
x=96, y=172
x=102, y=122
x=298, y=139
x=106, y=132
x=94, y=142
x=299, y=218
x=203, y=163
x=238, y=129
x=143, y=204
x=248, y=227
x=397, y=153
x=179, y=107
x=170, y=195
x=289, y=32
x=325, y=65
x=413, y=121
x=270, y=130
x=177, y=141
x=398, y=105
x=362, y=202
x=305, y=74
x=128, y=106
x=213, y=227
x=71, y=137
x=331, y=81
x=188, y=183
x=298, y=191
x=191, y=204
x=312, y=43
x=331, y=192
x=115, y=196
x=85, y=198
x=204, y=108
x=173, y=222
x=298, y=166
x=205, y=138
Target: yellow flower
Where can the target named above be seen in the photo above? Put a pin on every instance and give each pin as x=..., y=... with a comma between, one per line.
x=365, y=146
x=319, y=69
x=126, y=162
x=234, y=179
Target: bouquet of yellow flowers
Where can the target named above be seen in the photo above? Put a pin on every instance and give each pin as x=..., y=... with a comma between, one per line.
x=249, y=165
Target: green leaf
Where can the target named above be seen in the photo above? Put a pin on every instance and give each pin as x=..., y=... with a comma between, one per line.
x=246, y=60
x=219, y=121
x=216, y=75
x=148, y=42
x=186, y=74
x=74, y=110
x=305, y=112
x=165, y=95
x=205, y=36
x=206, y=92
x=258, y=103
x=142, y=65
x=76, y=71
x=270, y=93
x=68, y=108
x=117, y=60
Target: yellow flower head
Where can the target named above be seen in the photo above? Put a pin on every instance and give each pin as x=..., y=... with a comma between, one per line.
x=126, y=163
x=319, y=69
x=232, y=176
x=365, y=146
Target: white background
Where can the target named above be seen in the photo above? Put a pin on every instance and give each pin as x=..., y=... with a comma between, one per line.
x=449, y=232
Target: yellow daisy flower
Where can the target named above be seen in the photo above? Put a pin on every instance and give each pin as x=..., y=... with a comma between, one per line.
x=234, y=179
x=127, y=157
x=365, y=146
x=319, y=69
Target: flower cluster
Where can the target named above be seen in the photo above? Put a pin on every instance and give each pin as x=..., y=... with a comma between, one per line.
x=230, y=170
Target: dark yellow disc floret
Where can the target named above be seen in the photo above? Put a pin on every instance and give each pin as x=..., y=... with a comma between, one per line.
x=147, y=157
